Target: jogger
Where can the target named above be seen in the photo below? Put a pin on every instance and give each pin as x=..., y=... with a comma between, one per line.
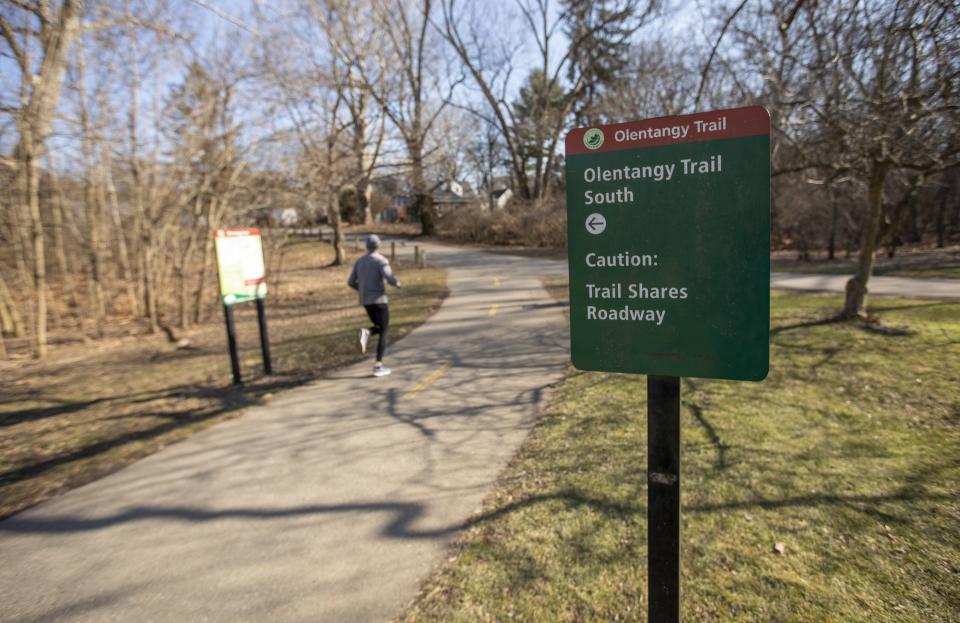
x=367, y=277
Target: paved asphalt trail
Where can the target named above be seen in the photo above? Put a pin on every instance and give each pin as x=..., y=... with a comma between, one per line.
x=331, y=503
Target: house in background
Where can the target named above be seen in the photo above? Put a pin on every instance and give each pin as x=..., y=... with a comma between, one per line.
x=451, y=195
x=447, y=195
x=285, y=217
x=500, y=193
x=499, y=198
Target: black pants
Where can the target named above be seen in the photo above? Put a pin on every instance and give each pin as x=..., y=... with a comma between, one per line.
x=380, y=317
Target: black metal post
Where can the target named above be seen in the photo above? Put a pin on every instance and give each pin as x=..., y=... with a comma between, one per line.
x=663, y=499
x=264, y=337
x=232, y=344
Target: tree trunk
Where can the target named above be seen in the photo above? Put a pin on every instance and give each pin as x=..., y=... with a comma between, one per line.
x=181, y=265
x=94, y=254
x=21, y=227
x=112, y=203
x=856, y=295
x=834, y=217
x=214, y=209
x=333, y=205
x=143, y=215
x=428, y=214
x=776, y=232
x=93, y=258
x=10, y=320
x=942, y=221
x=150, y=282
x=333, y=213
x=37, y=242
x=201, y=294
x=359, y=144
x=832, y=242
x=422, y=201
x=93, y=207
x=915, y=234
x=59, y=223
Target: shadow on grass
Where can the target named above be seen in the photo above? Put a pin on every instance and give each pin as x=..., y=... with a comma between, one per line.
x=11, y=418
x=806, y=324
x=697, y=412
x=866, y=504
x=871, y=325
x=405, y=515
x=228, y=399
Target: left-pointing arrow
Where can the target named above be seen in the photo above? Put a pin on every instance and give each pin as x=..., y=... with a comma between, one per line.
x=596, y=223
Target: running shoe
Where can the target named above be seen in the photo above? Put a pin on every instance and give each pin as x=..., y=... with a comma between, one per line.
x=380, y=371
x=362, y=337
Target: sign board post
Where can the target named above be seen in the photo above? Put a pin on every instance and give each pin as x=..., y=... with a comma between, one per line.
x=663, y=498
x=668, y=224
x=232, y=344
x=242, y=276
x=264, y=337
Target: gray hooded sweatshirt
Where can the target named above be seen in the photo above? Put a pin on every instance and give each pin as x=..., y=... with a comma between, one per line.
x=367, y=278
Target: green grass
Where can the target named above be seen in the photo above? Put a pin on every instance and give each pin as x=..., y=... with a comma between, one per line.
x=90, y=410
x=848, y=455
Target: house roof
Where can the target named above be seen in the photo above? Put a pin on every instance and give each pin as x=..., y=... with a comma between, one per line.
x=445, y=196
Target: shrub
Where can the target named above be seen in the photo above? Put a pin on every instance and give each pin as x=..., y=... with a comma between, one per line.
x=533, y=224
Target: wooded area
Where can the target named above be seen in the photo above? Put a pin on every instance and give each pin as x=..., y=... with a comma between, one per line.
x=131, y=129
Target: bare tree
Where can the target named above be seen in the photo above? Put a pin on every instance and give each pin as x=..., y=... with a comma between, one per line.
x=51, y=30
x=397, y=60
x=314, y=91
x=93, y=207
x=567, y=72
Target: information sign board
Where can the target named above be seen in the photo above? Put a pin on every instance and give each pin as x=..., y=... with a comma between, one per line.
x=240, y=265
x=669, y=235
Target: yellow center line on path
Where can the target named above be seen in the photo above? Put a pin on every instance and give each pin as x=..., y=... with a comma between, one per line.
x=425, y=383
x=493, y=310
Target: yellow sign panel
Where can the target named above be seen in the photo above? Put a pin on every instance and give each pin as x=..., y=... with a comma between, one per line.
x=240, y=265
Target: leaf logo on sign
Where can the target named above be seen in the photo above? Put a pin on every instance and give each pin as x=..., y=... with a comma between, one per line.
x=593, y=138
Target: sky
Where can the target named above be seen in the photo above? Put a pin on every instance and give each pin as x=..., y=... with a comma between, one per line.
x=210, y=22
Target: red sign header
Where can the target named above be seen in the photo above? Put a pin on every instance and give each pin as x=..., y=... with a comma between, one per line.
x=717, y=124
x=230, y=233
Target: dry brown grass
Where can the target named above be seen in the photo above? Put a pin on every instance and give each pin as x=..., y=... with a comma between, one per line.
x=89, y=410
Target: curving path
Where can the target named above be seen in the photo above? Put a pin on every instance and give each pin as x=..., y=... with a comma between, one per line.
x=331, y=503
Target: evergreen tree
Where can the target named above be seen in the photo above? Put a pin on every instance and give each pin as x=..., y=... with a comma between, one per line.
x=600, y=33
x=538, y=109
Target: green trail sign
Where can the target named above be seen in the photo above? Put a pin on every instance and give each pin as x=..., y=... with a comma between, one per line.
x=668, y=230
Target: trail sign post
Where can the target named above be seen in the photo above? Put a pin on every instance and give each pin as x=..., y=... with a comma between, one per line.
x=668, y=238
x=242, y=276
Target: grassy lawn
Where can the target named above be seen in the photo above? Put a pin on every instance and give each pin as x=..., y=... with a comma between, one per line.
x=838, y=268
x=915, y=263
x=848, y=455
x=90, y=410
